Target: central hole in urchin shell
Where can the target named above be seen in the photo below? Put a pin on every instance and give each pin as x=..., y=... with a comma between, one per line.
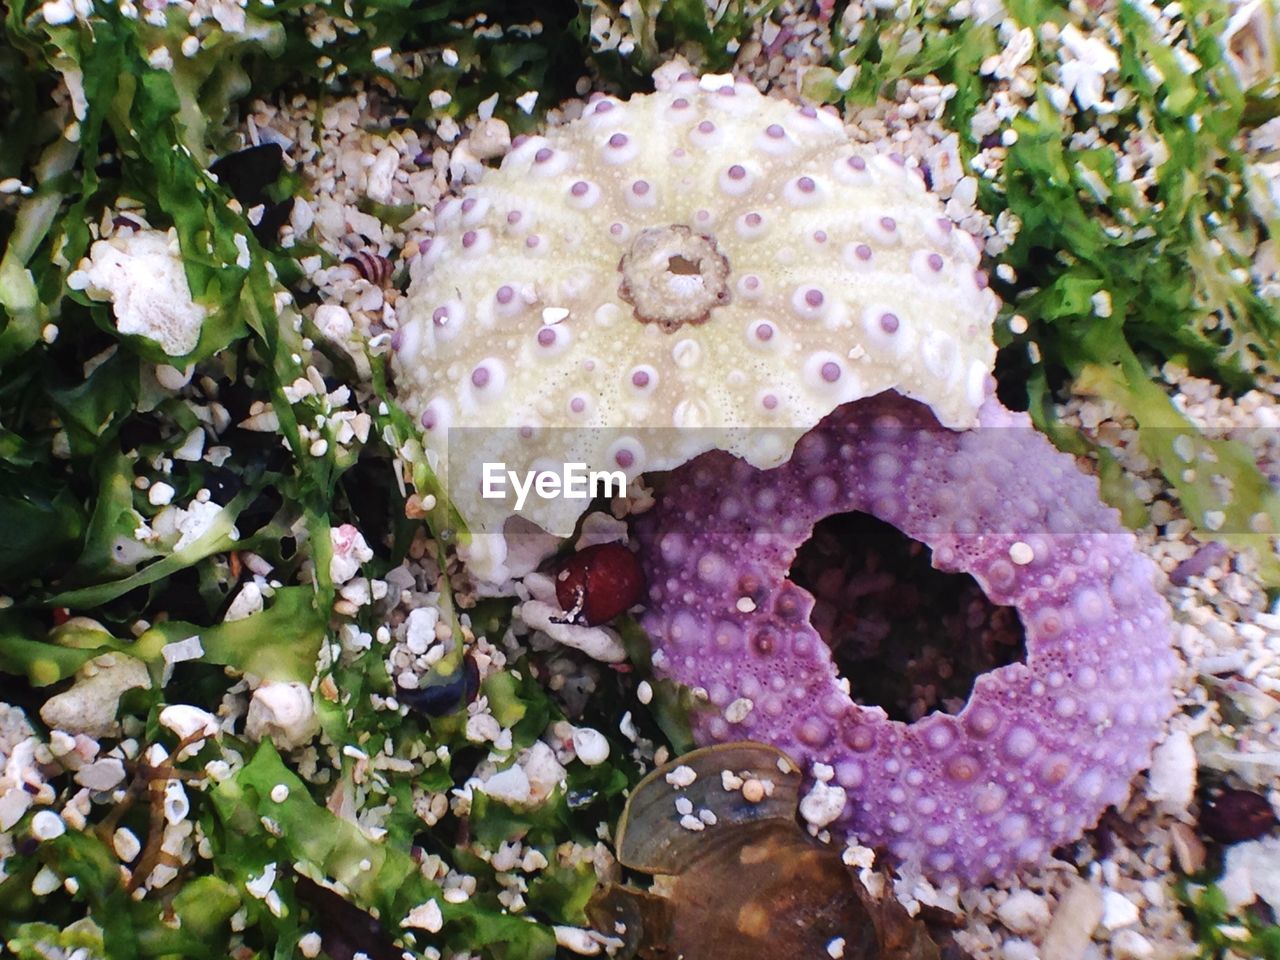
x=683, y=267
x=674, y=276
x=909, y=638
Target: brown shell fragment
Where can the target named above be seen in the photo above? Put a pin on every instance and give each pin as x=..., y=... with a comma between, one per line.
x=650, y=838
x=749, y=882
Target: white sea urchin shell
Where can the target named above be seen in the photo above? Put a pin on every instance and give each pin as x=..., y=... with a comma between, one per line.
x=696, y=268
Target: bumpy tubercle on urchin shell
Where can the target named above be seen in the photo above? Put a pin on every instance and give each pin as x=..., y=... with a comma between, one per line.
x=1041, y=747
x=816, y=275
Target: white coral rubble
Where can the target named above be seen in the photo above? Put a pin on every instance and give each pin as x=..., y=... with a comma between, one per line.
x=282, y=712
x=142, y=274
x=89, y=707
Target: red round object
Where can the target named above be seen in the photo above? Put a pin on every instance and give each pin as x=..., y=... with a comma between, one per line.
x=596, y=584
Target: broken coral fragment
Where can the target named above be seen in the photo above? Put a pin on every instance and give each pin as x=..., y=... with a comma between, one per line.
x=90, y=705
x=282, y=712
x=696, y=268
x=543, y=611
x=1040, y=748
x=142, y=274
x=746, y=880
x=1252, y=872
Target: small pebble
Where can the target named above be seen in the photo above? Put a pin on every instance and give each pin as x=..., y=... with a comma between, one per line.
x=591, y=746
x=45, y=882
x=1118, y=910
x=1024, y=912
x=1131, y=945
x=47, y=825
x=681, y=777
x=126, y=844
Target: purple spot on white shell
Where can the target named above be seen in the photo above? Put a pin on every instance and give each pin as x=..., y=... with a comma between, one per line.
x=480, y=377
x=624, y=458
x=980, y=279
x=532, y=241
x=857, y=163
x=831, y=371
x=514, y=217
x=618, y=141
x=580, y=188
x=737, y=171
x=469, y=239
x=889, y=322
x=640, y=379
x=935, y=262
x=706, y=126
x=775, y=131
x=764, y=331
x=440, y=316
x=888, y=224
x=468, y=204
x=819, y=236
x=862, y=252
x=505, y=294
x=679, y=103
x=806, y=185
x=813, y=297
x=640, y=188
x=543, y=155
x=578, y=404
x=546, y=336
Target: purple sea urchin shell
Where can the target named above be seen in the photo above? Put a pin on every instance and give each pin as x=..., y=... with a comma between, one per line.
x=1040, y=749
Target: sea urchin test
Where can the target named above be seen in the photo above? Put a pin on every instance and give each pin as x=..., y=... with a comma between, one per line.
x=1039, y=749
x=700, y=267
